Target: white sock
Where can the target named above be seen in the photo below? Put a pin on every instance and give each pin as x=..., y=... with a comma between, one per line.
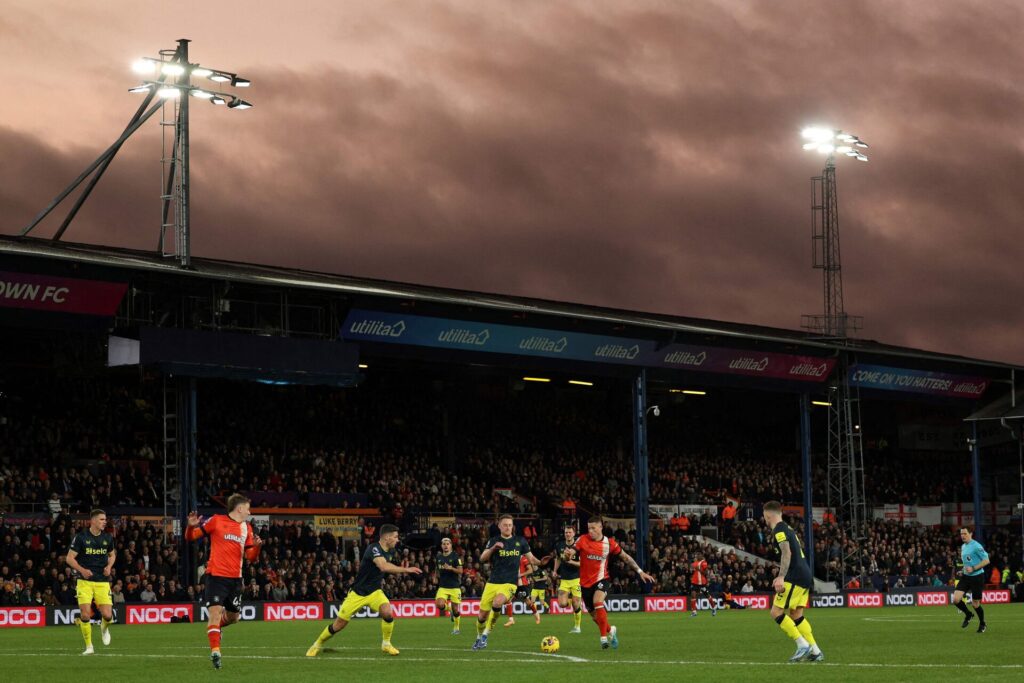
x=815, y=649
x=802, y=642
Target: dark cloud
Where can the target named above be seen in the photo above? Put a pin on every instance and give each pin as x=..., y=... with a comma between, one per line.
x=641, y=156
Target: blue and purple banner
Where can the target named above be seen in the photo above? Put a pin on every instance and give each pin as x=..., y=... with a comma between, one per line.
x=376, y=326
x=917, y=381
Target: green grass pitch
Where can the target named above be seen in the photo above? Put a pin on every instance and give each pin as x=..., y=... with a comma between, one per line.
x=905, y=644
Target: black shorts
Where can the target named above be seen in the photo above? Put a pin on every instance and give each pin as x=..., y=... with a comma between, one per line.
x=522, y=593
x=588, y=593
x=974, y=585
x=223, y=592
x=697, y=589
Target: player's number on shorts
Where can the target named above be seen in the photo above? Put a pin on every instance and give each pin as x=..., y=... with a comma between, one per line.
x=236, y=602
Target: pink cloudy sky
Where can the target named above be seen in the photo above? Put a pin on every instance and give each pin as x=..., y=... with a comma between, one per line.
x=641, y=154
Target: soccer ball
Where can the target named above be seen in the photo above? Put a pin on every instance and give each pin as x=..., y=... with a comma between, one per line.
x=549, y=645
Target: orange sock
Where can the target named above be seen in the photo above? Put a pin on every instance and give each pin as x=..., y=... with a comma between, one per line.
x=601, y=617
x=213, y=634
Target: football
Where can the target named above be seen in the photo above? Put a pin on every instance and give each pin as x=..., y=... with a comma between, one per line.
x=549, y=644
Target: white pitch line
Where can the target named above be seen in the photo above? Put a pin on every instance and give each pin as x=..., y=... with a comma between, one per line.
x=604, y=662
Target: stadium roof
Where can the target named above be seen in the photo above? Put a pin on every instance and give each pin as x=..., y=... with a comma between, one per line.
x=204, y=268
x=1003, y=408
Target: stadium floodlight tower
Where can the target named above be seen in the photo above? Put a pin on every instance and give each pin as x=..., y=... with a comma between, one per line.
x=845, y=450
x=172, y=83
x=176, y=195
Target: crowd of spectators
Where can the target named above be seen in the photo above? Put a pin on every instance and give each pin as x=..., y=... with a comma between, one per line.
x=399, y=451
x=387, y=447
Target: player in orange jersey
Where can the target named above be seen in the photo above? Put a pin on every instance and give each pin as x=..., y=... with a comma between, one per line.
x=231, y=539
x=699, y=585
x=594, y=550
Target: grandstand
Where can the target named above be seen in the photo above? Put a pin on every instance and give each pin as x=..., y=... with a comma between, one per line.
x=338, y=404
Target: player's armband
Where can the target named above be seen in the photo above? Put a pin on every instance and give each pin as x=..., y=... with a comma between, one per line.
x=781, y=537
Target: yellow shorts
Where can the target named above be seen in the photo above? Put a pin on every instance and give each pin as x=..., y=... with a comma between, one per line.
x=792, y=597
x=355, y=602
x=93, y=590
x=452, y=594
x=493, y=590
x=538, y=595
x=570, y=586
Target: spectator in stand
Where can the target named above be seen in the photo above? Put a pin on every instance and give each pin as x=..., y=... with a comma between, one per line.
x=148, y=595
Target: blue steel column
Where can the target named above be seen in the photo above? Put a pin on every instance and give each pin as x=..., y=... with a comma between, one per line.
x=976, y=476
x=640, y=473
x=805, y=468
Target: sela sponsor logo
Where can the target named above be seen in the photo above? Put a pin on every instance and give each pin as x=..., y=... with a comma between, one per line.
x=809, y=370
x=748, y=364
x=685, y=358
x=864, y=600
x=248, y=613
x=64, y=616
x=829, y=600
x=467, y=337
x=378, y=328
x=933, y=598
x=546, y=344
x=665, y=604
x=22, y=617
x=157, y=614
x=899, y=599
x=752, y=601
x=292, y=611
x=996, y=596
x=617, y=351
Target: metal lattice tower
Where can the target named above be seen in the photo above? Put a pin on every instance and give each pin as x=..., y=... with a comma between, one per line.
x=845, y=494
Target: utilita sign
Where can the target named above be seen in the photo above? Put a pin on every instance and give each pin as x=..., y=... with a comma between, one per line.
x=60, y=294
x=447, y=333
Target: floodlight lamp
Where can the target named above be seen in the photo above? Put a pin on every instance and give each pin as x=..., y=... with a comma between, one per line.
x=218, y=77
x=143, y=66
x=810, y=145
x=844, y=149
x=818, y=134
x=860, y=143
x=239, y=104
x=826, y=148
x=172, y=69
x=861, y=157
x=240, y=82
x=168, y=93
x=202, y=94
x=851, y=153
x=217, y=99
x=140, y=88
x=845, y=137
x=201, y=72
